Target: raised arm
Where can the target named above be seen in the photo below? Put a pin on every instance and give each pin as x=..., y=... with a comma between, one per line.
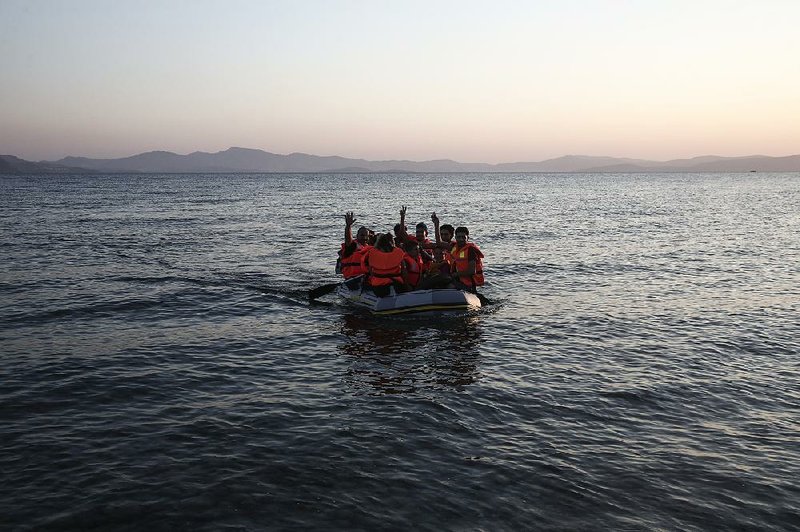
x=349, y=220
x=435, y=220
x=403, y=235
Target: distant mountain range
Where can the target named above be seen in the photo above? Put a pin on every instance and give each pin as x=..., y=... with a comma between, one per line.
x=14, y=165
x=239, y=160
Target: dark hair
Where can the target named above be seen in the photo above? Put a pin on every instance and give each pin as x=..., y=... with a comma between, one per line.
x=384, y=242
x=423, y=226
x=462, y=229
x=411, y=244
x=447, y=227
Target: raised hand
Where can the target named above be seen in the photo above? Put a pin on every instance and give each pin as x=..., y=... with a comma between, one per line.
x=349, y=219
x=403, y=212
x=434, y=219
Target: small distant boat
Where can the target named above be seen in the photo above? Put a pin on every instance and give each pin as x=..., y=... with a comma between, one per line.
x=436, y=300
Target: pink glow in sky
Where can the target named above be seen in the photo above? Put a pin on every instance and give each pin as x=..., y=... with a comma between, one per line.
x=471, y=81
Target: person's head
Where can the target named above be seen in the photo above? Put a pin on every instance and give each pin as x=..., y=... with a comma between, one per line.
x=462, y=235
x=362, y=235
x=371, y=237
x=446, y=232
x=385, y=242
x=422, y=231
x=412, y=248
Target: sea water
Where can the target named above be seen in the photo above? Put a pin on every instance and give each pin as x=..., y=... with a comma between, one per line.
x=161, y=366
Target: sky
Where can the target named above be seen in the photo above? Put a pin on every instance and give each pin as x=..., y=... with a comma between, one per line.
x=490, y=81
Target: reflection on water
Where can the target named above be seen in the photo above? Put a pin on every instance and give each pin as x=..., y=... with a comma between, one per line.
x=166, y=370
x=410, y=354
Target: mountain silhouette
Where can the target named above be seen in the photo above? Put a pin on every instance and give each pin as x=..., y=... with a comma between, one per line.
x=236, y=160
x=16, y=166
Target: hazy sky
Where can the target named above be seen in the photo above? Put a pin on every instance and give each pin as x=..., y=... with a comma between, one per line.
x=473, y=81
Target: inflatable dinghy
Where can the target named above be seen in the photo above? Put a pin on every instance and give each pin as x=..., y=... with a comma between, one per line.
x=436, y=300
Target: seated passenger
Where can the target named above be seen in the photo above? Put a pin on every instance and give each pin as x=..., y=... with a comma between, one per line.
x=424, y=243
x=438, y=273
x=384, y=266
x=400, y=230
x=400, y=235
x=350, y=254
x=467, y=267
x=443, y=235
x=421, y=236
x=414, y=265
x=447, y=232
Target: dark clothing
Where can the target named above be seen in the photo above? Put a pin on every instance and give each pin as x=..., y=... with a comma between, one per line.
x=383, y=291
x=429, y=283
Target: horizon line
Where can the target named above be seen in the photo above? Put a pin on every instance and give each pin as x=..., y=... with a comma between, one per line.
x=411, y=160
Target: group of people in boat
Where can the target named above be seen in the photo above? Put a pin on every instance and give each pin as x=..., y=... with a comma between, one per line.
x=411, y=262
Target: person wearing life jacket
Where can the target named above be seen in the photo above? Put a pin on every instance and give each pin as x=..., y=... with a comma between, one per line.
x=425, y=245
x=352, y=251
x=414, y=264
x=400, y=235
x=444, y=236
x=437, y=275
x=467, y=267
x=384, y=266
x=420, y=236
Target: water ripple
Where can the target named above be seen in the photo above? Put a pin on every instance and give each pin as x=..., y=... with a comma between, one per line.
x=637, y=370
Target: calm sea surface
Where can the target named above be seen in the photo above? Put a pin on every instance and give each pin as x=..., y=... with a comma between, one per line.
x=162, y=367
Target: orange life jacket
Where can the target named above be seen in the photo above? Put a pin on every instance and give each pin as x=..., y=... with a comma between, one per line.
x=446, y=252
x=425, y=244
x=351, y=265
x=460, y=257
x=383, y=267
x=414, y=269
x=437, y=268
